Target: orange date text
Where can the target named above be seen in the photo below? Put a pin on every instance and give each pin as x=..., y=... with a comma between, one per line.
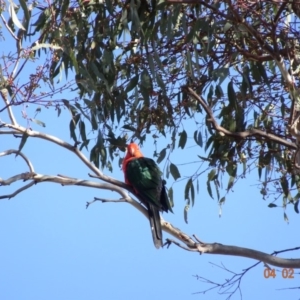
x=285, y=273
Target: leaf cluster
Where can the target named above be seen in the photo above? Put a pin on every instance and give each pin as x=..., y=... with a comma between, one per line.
x=134, y=60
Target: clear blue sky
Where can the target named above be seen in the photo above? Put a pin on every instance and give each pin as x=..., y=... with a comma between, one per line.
x=54, y=248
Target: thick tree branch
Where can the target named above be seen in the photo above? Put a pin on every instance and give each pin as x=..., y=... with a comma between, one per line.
x=191, y=244
x=38, y=178
x=217, y=248
x=113, y=181
x=239, y=135
x=13, y=132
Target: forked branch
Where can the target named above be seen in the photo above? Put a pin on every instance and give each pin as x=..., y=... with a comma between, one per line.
x=17, y=152
x=238, y=135
x=188, y=243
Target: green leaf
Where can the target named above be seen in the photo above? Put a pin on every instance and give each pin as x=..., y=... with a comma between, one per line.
x=187, y=189
x=189, y=63
x=260, y=163
x=183, y=139
x=72, y=126
x=103, y=156
x=296, y=204
x=271, y=205
x=109, y=6
x=209, y=141
x=129, y=127
x=72, y=131
x=231, y=169
x=170, y=194
x=82, y=130
x=93, y=119
x=71, y=108
x=168, y=171
x=77, y=104
x=231, y=95
x=38, y=122
x=211, y=175
x=230, y=182
x=132, y=83
x=26, y=12
x=263, y=73
x=284, y=185
x=219, y=92
x=23, y=141
x=221, y=74
x=58, y=111
x=14, y=16
x=99, y=142
x=94, y=156
x=64, y=8
x=151, y=64
x=285, y=217
x=174, y=171
x=227, y=27
x=185, y=213
x=222, y=200
x=204, y=158
x=200, y=141
x=160, y=83
x=158, y=61
x=162, y=155
x=146, y=81
x=145, y=93
x=209, y=189
x=216, y=182
x=84, y=144
x=196, y=136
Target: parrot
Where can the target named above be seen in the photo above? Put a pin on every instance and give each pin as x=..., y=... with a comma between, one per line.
x=144, y=176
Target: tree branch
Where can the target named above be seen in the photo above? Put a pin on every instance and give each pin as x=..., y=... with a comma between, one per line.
x=190, y=244
x=25, y=187
x=104, y=201
x=239, y=135
x=8, y=132
x=17, y=152
x=9, y=110
x=54, y=140
x=217, y=248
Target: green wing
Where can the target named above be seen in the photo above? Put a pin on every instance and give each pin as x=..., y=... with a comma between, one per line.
x=144, y=175
x=164, y=199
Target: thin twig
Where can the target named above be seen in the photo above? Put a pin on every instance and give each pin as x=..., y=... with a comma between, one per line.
x=11, y=151
x=25, y=187
x=170, y=241
x=197, y=239
x=104, y=201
